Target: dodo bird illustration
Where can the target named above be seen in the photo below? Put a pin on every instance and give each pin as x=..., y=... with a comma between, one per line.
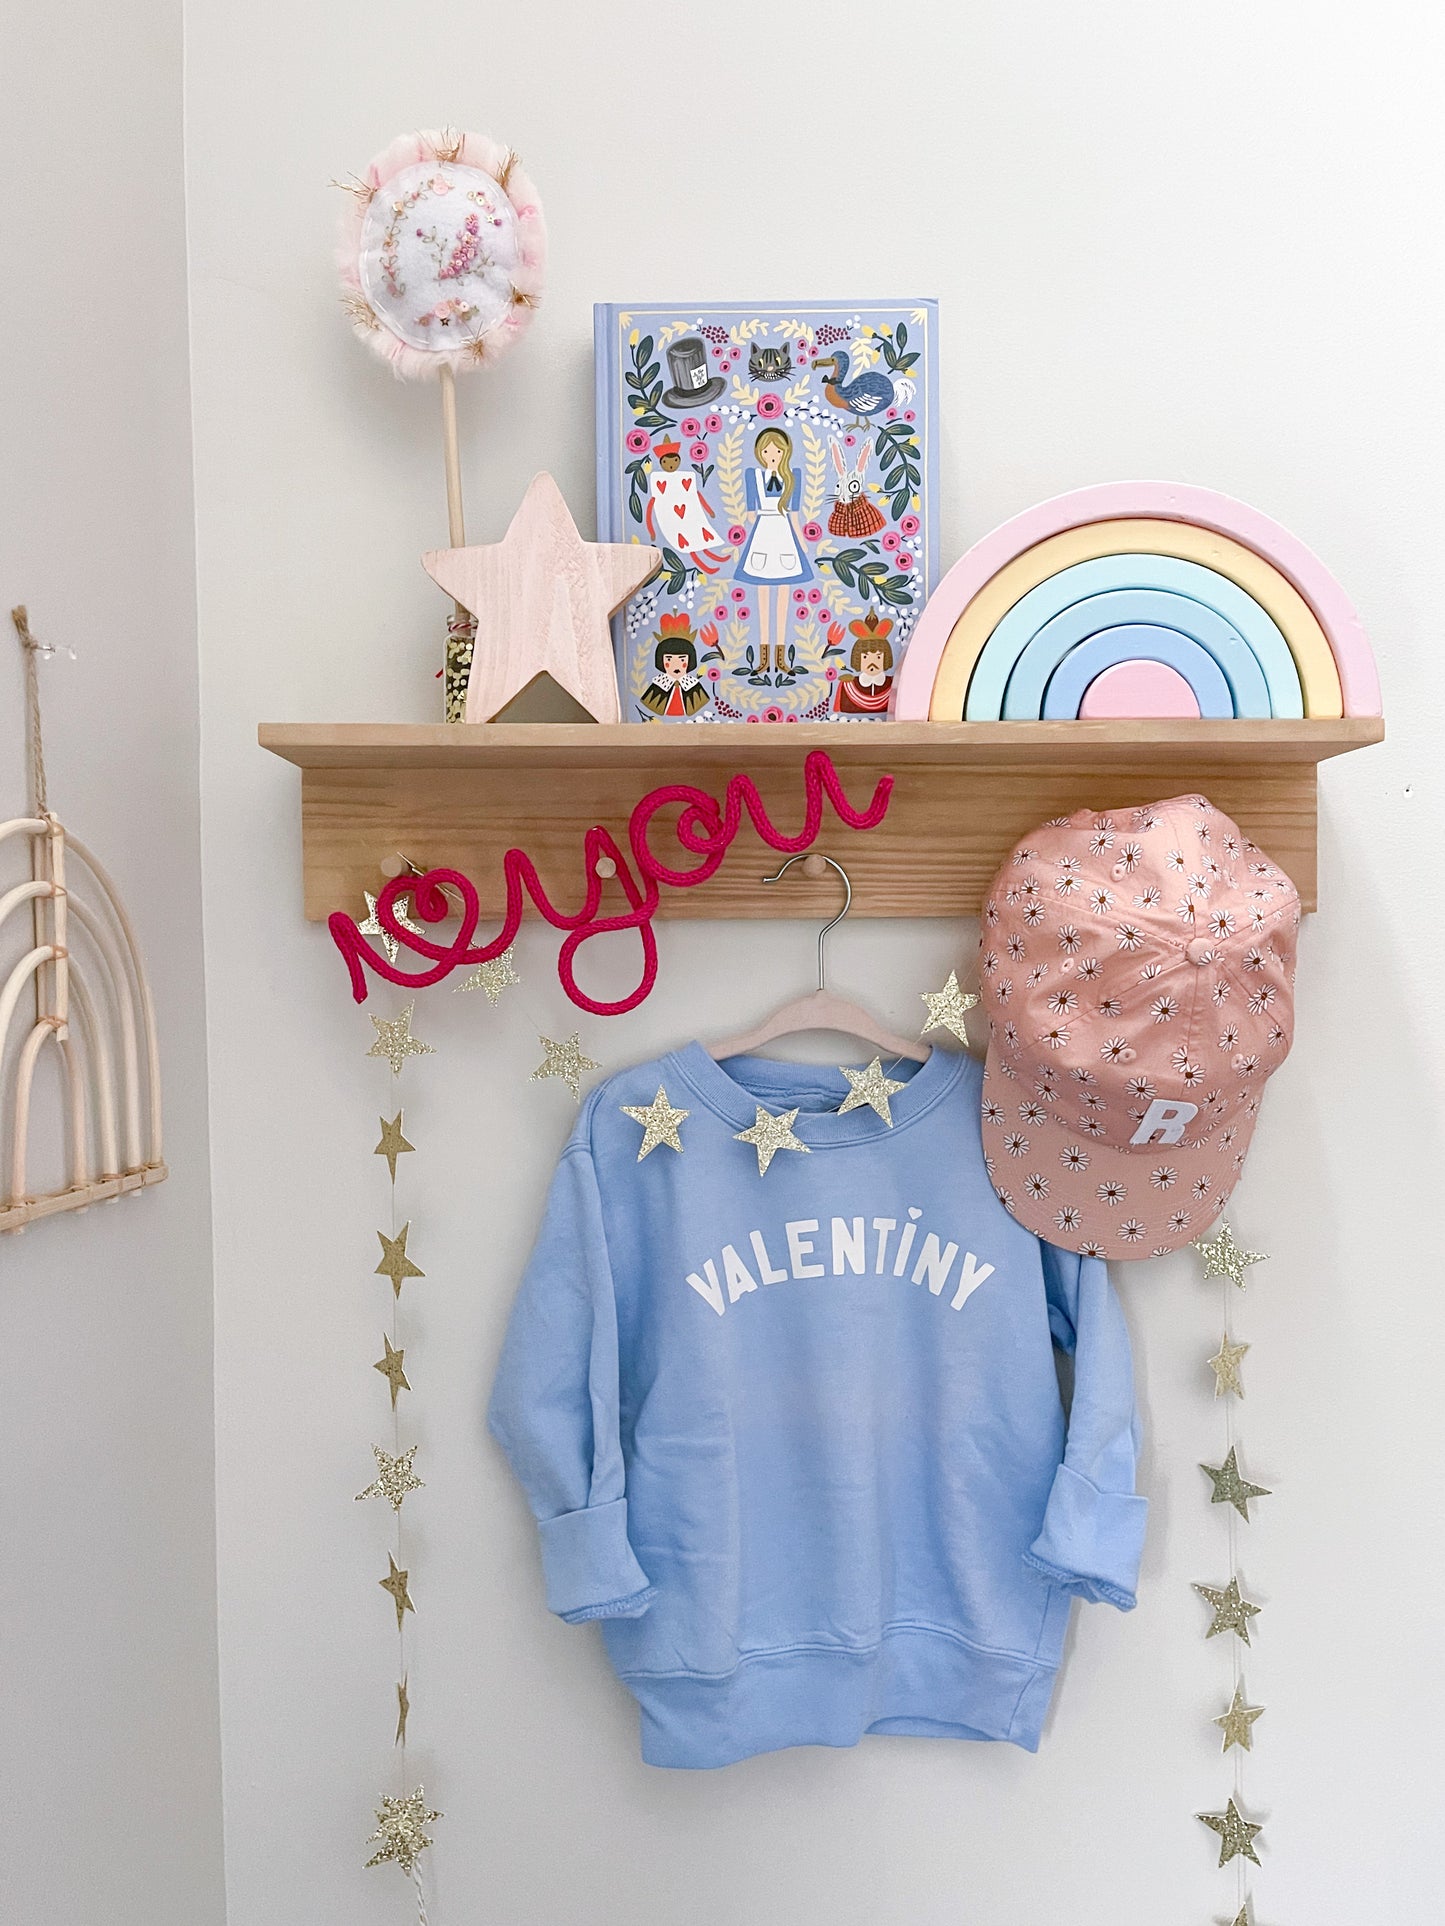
x=866, y=395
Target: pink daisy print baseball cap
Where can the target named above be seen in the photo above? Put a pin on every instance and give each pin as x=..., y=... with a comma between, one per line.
x=1137, y=968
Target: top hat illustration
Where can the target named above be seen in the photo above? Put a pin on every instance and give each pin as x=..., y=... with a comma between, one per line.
x=692, y=386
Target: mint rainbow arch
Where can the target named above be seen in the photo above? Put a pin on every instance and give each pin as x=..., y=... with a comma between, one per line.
x=976, y=652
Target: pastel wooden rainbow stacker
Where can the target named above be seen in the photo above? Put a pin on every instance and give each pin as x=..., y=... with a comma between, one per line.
x=1263, y=581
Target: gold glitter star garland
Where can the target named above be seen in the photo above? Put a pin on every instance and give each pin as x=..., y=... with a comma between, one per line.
x=1231, y=1611
x=403, y=1816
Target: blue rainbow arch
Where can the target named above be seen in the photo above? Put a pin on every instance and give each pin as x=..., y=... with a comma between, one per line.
x=1025, y=647
x=1166, y=608
x=1138, y=642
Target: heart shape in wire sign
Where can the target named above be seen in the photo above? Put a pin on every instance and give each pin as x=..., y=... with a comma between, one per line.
x=705, y=829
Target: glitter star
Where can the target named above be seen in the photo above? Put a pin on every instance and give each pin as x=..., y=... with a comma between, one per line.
x=395, y=1583
x=403, y=1711
x=392, y=1144
x=1223, y=1257
x=769, y=1135
x=493, y=977
x=948, y=1007
x=1230, y=1488
x=1225, y=1365
x=1231, y=1612
x=564, y=1060
x=1236, y=1834
x=870, y=1086
x=659, y=1122
x=395, y=1042
x=401, y=1827
x=1235, y=1724
x=399, y=915
x=391, y=1369
x=395, y=1263
x=394, y=1478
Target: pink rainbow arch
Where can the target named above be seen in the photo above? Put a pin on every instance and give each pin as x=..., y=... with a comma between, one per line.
x=1112, y=501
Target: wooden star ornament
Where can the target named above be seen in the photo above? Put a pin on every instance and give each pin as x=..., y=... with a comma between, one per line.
x=542, y=598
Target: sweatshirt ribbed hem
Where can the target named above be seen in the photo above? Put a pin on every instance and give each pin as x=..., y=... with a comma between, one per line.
x=918, y=1681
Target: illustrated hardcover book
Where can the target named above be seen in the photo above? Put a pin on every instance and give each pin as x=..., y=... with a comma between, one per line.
x=783, y=459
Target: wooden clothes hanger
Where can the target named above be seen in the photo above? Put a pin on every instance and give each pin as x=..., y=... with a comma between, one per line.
x=821, y=1009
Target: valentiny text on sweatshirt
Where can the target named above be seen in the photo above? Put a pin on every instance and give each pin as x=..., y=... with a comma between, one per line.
x=797, y=1438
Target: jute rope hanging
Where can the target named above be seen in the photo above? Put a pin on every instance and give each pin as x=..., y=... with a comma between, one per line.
x=34, y=737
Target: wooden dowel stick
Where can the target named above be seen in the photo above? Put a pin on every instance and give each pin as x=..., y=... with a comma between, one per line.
x=457, y=660
x=457, y=533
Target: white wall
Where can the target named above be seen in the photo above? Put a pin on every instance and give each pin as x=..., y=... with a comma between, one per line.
x=1186, y=241
x=110, y=1766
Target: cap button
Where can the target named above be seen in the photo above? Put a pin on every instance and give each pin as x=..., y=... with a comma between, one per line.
x=1118, y=872
x=1197, y=949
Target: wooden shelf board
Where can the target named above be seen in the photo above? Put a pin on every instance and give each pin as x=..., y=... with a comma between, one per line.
x=461, y=794
x=427, y=745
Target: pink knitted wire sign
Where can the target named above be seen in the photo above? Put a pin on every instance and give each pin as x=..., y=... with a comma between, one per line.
x=705, y=828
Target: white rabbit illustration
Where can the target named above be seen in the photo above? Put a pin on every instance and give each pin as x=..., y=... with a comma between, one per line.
x=853, y=515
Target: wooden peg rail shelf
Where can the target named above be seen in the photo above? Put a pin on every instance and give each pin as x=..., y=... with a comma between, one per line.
x=459, y=795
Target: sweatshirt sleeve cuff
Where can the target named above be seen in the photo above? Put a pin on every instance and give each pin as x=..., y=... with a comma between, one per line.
x=589, y=1566
x=1091, y=1541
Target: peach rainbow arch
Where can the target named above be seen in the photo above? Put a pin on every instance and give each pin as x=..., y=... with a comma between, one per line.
x=1325, y=636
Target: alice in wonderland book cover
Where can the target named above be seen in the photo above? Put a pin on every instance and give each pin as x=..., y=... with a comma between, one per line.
x=782, y=456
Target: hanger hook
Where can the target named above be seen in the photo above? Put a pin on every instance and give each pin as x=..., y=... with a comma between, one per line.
x=847, y=902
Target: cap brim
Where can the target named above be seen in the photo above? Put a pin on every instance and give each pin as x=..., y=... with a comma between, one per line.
x=1071, y=1189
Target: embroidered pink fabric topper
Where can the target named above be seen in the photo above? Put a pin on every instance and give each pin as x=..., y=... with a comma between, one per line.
x=443, y=252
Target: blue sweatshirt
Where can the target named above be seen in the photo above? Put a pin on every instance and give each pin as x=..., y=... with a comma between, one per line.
x=796, y=1438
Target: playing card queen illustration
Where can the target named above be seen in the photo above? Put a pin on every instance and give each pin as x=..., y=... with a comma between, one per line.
x=782, y=456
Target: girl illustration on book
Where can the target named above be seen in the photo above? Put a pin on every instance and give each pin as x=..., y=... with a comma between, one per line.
x=773, y=560
x=676, y=690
